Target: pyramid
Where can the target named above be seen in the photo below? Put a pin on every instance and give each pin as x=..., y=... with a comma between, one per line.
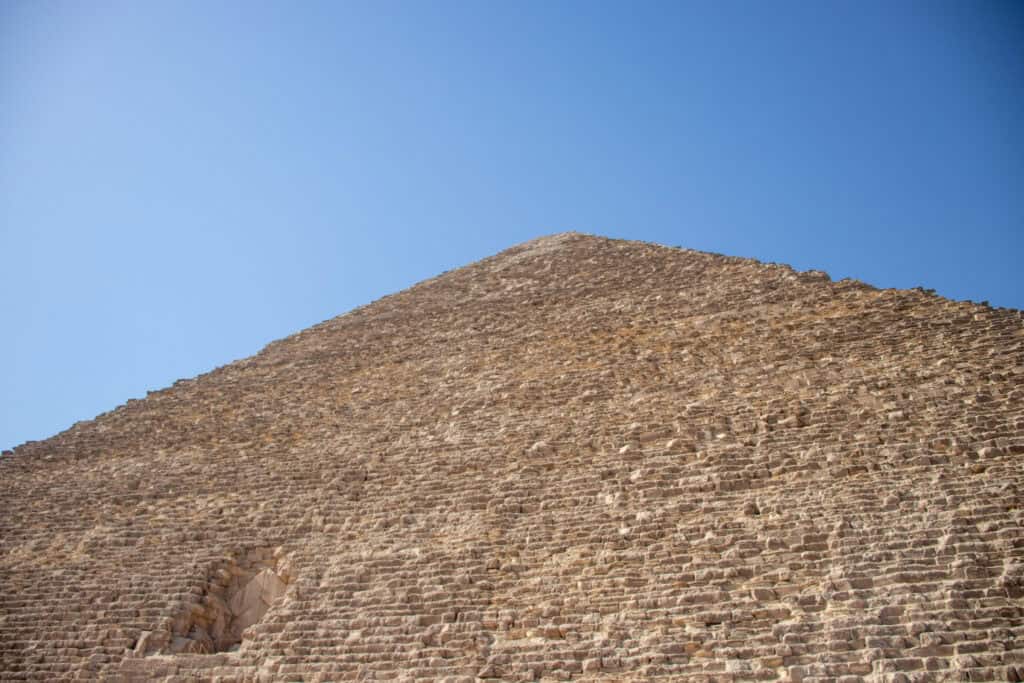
x=580, y=459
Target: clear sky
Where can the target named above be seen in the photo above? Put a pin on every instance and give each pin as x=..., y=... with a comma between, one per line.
x=183, y=182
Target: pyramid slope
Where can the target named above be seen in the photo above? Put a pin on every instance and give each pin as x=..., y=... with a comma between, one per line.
x=581, y=458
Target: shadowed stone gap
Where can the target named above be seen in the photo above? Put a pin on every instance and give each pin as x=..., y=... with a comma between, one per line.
x=238, y=593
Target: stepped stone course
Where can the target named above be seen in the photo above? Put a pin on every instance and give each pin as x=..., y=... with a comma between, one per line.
x=580, y=459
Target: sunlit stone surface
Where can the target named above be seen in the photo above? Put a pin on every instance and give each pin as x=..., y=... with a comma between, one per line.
x=580, y=459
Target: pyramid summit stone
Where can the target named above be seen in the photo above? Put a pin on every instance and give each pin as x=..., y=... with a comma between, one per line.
x=579, y=459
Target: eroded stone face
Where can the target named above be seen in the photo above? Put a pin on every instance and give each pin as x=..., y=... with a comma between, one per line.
x=253, y=600
x=238, y=592
x=580, y=459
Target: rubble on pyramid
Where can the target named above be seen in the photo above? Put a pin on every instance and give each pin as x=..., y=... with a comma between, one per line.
x=580, y=459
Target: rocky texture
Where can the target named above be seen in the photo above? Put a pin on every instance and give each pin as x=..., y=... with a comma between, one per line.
x=237, y=594
x=579, y=459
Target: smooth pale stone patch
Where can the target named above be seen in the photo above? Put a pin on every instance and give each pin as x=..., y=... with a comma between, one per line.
x=250, y=604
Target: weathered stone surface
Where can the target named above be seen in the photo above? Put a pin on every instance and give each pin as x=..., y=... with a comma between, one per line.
x=580, y=459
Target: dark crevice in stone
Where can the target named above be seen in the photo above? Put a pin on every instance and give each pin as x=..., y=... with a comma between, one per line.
x=237, y=593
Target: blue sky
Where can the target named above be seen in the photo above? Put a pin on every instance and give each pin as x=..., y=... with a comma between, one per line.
x=183, y=182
